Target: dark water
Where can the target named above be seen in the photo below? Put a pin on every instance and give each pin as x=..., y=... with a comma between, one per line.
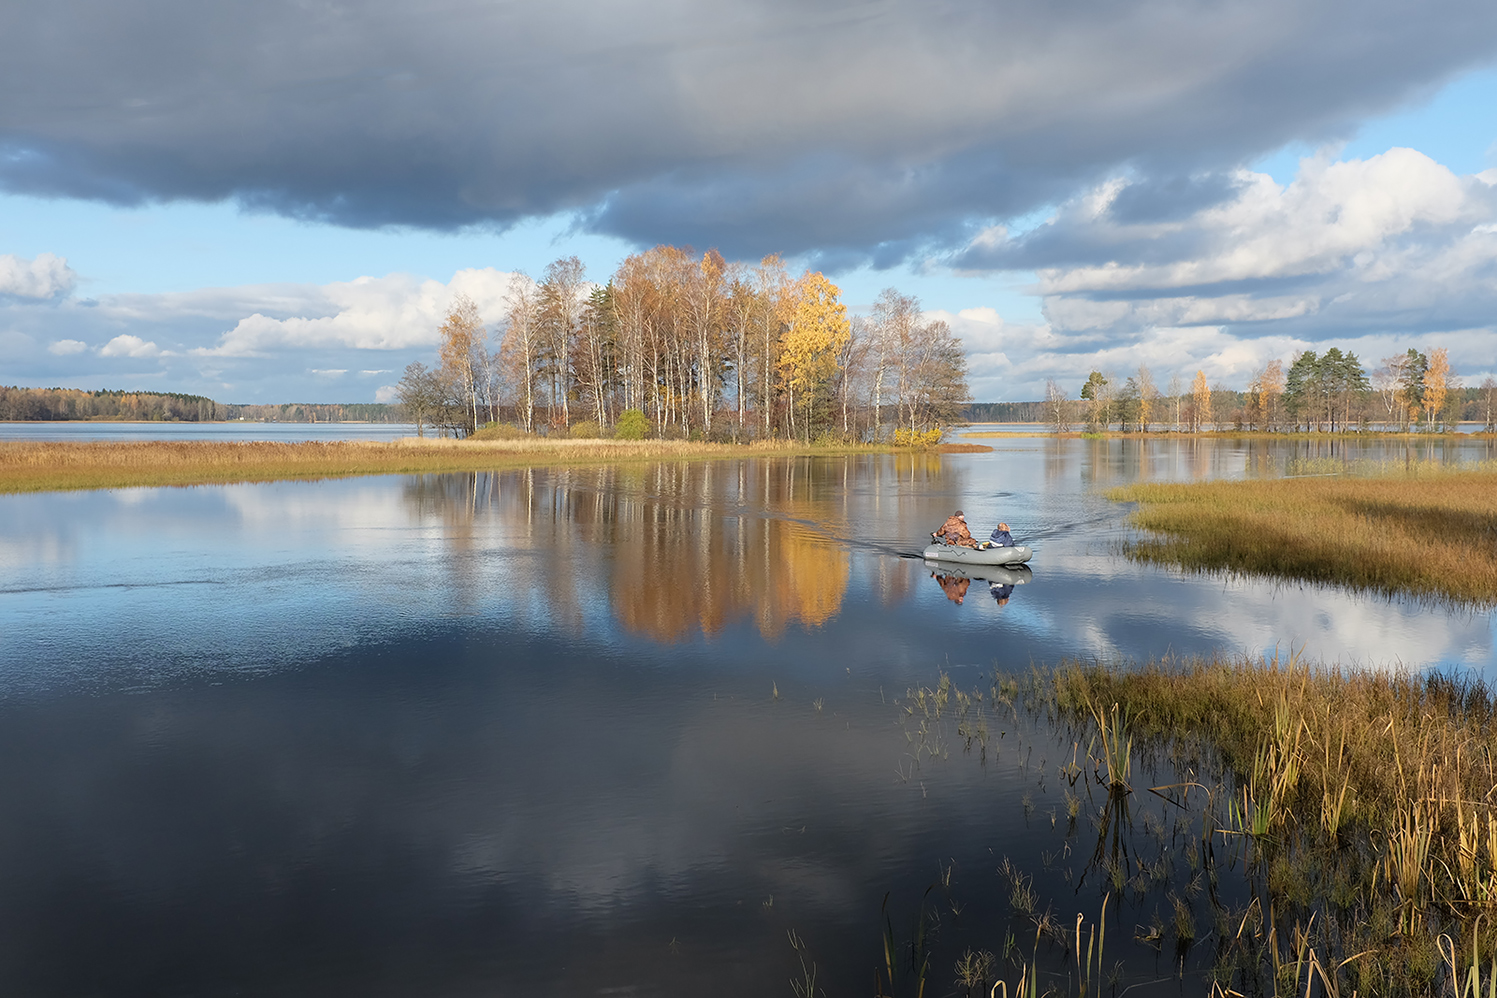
x=597, y=731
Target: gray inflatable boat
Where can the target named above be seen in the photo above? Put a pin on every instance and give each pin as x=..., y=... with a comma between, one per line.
x=955, y=554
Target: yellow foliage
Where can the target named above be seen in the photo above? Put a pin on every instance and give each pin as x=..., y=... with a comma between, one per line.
x=1436, y=383
x=818, y=330
x=912, y=438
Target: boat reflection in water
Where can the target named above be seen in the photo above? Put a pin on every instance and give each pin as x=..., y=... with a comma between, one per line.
x=689, y=548
x=1001, y=579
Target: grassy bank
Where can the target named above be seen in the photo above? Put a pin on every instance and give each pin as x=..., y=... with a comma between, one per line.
x=1362, y=805
x=1429, y=531
x=50, y=466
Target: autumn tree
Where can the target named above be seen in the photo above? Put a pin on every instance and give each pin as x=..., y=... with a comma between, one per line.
x=935, y=381
x=1148, y=397
x=817, y=331
x=704, y=295
x=777, y=296
x=561, y=298
x=594, y=355
x=895, y=318
x=1488, y=399
x=1270, y=393
x=852, y=362
x=1057, y=406
x=1437, y=384
x=518, y=351
x=739, y=310
x=464, y=356
x=1201, y=398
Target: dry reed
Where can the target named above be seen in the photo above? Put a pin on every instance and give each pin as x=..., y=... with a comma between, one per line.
x=58, y=466
x=1430, y=533
x=1378, y=797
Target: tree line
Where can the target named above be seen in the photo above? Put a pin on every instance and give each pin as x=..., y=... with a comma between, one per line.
x=692, y=346
x=1321, y=392
x=20, y=404
x=58, y=404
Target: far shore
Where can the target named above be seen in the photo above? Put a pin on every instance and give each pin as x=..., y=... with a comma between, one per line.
x=53, y=466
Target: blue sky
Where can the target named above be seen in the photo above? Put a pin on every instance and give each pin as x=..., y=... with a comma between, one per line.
x=216, y=229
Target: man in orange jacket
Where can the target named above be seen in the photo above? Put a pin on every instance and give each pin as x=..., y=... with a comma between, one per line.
x=954, y=531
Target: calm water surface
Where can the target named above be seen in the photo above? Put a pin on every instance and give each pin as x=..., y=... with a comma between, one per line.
x=582, y=731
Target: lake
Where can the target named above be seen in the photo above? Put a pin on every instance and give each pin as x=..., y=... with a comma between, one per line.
x=593, y=731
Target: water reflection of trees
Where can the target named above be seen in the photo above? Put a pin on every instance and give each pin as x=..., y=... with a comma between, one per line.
x=687, y=547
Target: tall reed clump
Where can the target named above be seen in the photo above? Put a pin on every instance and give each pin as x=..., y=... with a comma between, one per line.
x=1364, y=805
x=1426, y=530
x=27, y=466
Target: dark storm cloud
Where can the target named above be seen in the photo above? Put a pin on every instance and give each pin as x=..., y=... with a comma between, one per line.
x=859, y=130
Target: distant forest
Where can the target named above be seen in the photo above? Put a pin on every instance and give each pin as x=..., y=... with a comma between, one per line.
x=56, y=404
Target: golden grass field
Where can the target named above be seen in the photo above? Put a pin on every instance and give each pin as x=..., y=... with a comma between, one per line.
x=1431, y=531
x=49, y=466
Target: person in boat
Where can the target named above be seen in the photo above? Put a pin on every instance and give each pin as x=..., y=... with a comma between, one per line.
x=954, y=586
x=1001, y=538
x=1000, y=593
x=954, y=531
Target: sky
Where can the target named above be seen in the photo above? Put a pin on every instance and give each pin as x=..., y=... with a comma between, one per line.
x=277, y=201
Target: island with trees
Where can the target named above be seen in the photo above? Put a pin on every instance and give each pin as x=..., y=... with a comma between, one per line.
x=700, y=349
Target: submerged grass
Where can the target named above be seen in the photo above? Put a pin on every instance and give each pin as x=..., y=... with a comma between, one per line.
x=1295, y=828
x=1426, y=531
x=59, y=466
x=1364, y=805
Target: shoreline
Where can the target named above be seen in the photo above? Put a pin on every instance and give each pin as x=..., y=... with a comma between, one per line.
x=57, y=466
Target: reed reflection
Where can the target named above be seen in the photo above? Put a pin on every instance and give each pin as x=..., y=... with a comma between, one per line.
x=691, y=547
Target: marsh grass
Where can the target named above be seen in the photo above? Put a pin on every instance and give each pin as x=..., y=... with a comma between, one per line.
x=57, y=466
x=1426, y=531
x=1364, y=806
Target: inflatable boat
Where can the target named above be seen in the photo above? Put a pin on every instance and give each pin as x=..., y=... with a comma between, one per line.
x=955, y=554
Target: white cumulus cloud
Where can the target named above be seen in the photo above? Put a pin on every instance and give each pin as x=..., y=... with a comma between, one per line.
x=46, y=276
x=1222, y=273
x=127, y=345
x=63, y=348
x=1324, y=221
x=371, y=313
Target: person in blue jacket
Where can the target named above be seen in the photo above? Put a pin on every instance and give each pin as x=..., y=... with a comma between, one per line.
x=1001, y=538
